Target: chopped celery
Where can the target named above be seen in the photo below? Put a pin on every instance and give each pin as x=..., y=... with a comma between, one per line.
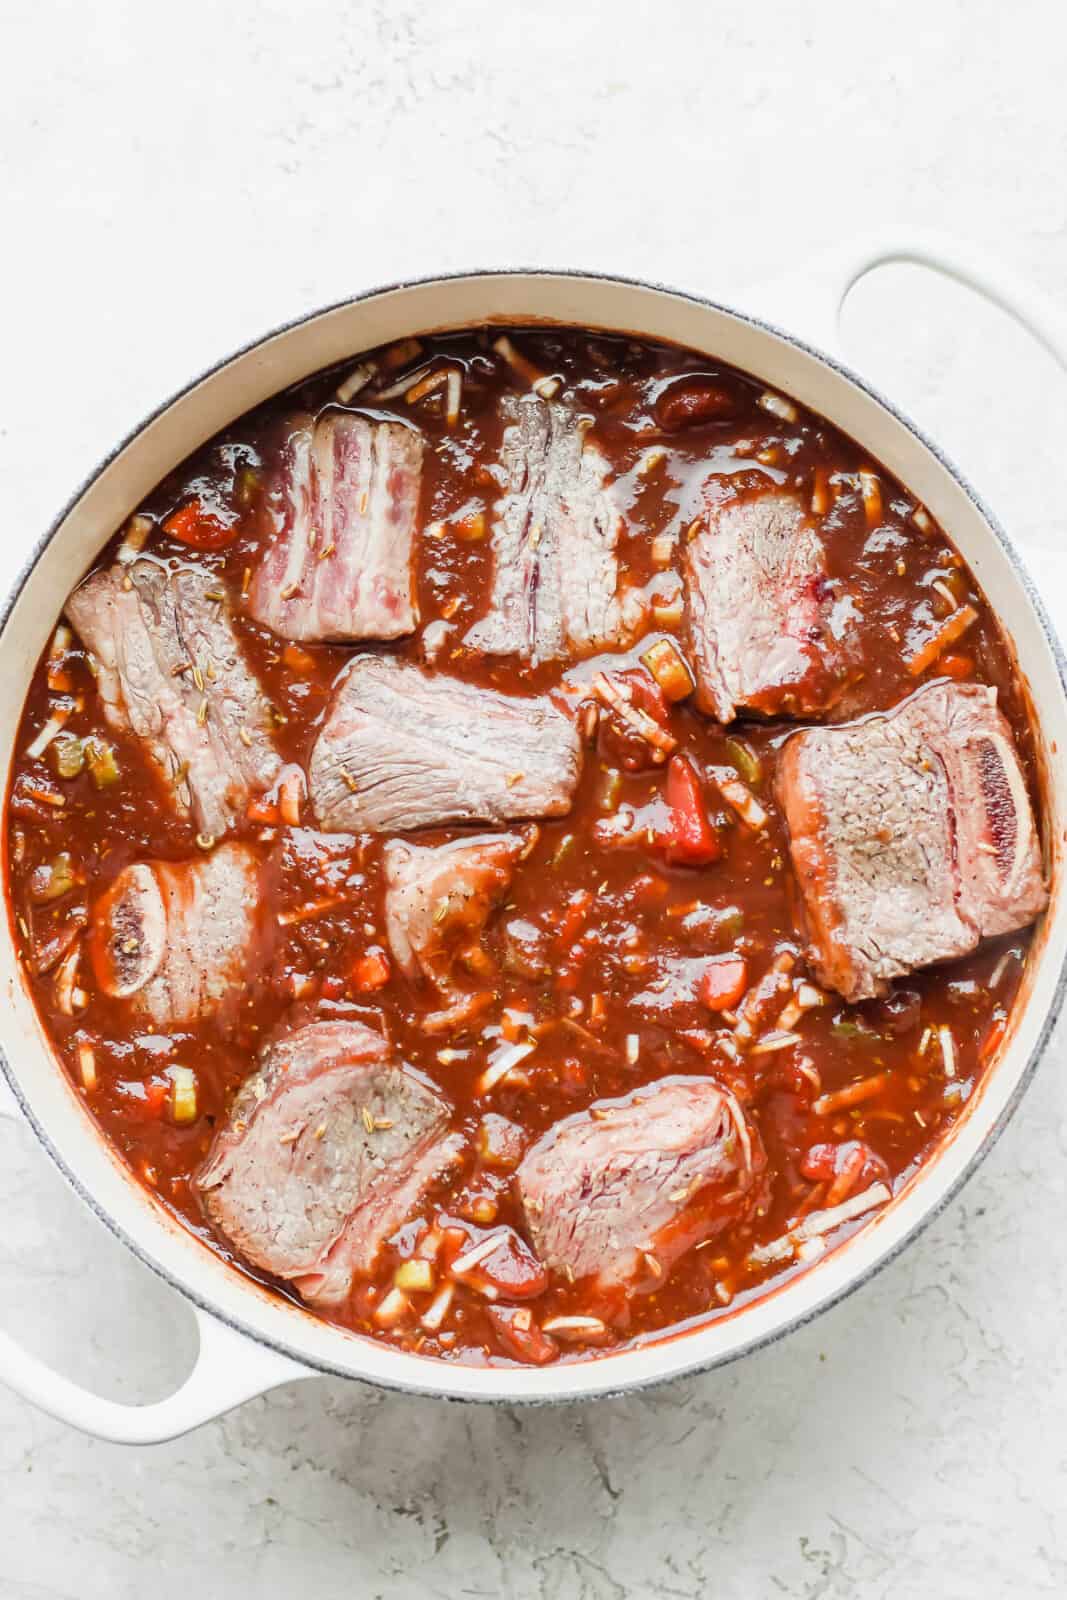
x=103, y=768
x=68, y=755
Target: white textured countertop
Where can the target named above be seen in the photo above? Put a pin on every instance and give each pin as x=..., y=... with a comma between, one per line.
x=174, y=180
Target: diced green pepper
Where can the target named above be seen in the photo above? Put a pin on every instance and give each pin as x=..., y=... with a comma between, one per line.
x=103, y=767
x=745, y=760
x=52, y=879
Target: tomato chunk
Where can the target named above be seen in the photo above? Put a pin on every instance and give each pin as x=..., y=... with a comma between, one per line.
x=687, y=836
x=500, y=1263
x=193, y=525
x=693, y=401
x=724, y=981
x=520, y=1336
x=954, y=664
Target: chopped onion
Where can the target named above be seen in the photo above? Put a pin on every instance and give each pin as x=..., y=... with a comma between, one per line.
x=135, y=538
x=1001, y=967
x=393, y=1309
x=779, y=406
x=776, y=1250
x=806, y=998
x=633, y=1049
x=771, y=1042
x=87, y=1065
x=477, y=1253
x=948, y=1049
x=811, y=1249
x=59, y=680
x=435, y=637
x=541, y=383
x=923, y=520
x=357, y=379
x=312, y=908
x=62, y=640
x=55, y=724
x=438, y=1309
x=501, y=1063
x=662, y=550
x=871, y=489
x=64, y=982
x=817, y=1222
x=453, y=396
x=402, y=385
x=744, y=802
x=574, y=1327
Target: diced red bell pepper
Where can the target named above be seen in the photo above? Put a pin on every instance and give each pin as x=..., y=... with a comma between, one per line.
x=724, y=981
x=144, y=1101
x=687, y=835
x=191, y=524
x=371, y=971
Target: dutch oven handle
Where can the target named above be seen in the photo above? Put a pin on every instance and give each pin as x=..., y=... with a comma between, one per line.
x=230, y=1369
x=808, y=300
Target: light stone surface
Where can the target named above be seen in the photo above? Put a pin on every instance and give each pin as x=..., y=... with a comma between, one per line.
x=176, y=178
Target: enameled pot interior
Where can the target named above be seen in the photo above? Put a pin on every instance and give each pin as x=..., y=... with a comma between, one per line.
x=294, y=353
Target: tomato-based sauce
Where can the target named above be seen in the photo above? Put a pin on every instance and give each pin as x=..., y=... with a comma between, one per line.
x=640, y=934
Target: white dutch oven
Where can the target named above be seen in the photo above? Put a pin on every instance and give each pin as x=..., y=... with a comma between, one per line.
x=249, y=1341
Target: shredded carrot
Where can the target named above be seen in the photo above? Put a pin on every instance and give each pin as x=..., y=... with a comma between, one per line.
x=259, y=810
x=191, y=524
x=574, y=918
x=852, y=1095
x=950, y=630
x=846, y=1180
x=295, y=656
x=955, y=666
x=991, y=1042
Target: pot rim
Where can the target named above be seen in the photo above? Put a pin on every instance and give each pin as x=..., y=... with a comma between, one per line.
x=592, y=1365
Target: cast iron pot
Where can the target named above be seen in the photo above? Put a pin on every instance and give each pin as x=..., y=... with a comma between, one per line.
x=251, y=1341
